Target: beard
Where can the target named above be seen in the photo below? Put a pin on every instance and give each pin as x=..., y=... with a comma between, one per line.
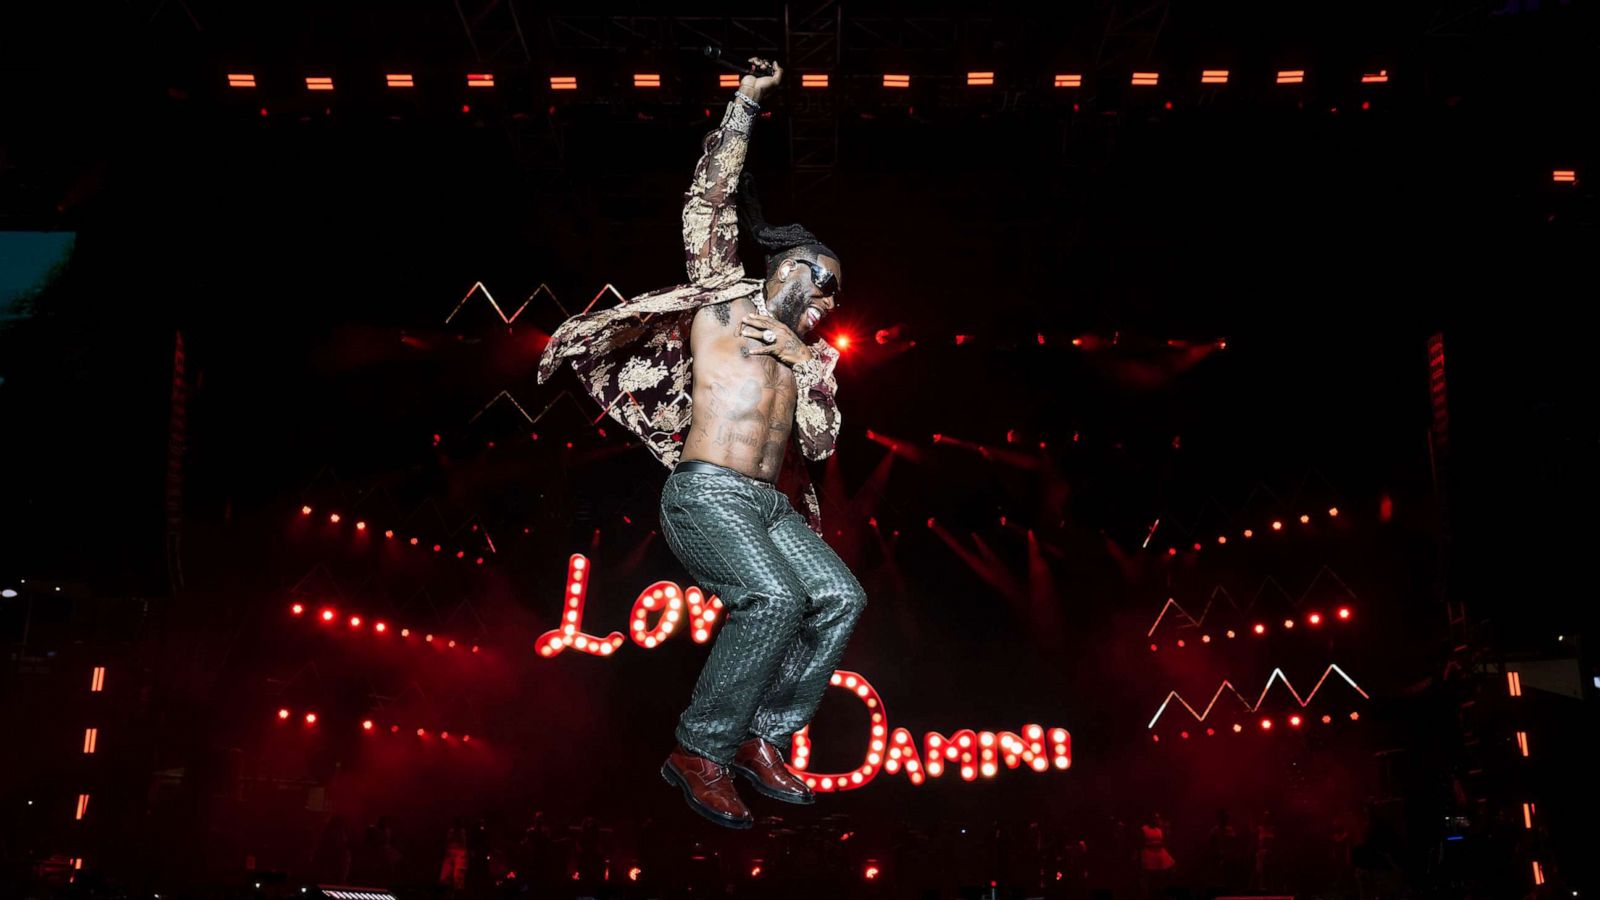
x=790, y=305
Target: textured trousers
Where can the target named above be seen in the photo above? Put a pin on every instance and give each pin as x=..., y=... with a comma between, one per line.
x=789, y=604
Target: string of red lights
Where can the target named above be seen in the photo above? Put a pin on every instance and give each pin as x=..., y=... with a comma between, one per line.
x=355, y=622
x=363, y=527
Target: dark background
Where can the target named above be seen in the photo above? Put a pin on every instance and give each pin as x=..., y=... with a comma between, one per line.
x=309, y=249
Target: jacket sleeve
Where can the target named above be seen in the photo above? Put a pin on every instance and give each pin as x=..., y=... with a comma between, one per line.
x=710, y=213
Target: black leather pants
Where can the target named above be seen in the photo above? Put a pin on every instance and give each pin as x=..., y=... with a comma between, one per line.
x=789, y=601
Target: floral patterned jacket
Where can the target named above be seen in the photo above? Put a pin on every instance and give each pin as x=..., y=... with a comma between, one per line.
x=633, y=358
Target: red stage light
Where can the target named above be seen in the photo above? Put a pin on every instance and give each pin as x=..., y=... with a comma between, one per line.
x=1327, y=720
x=389, y=535
x=413, y=542
x=1260, y=628
x=896, y=81
x=1294, y=721
x=355, y=621
x=1231, y=634
x=1288, y=623
x=1205, y=638
x=311, y=718
x=366, y=725
x=1266, y=724
x=1277, y=526
x=1237, y=728
x=755, y=871
x=872, y=872
x=1305, y=520
x=380, y=628
x=814, y=80
x=1222, y=539
x=1344, y=612
x=422, y=732
x=1355, y=717
x=1291, y=76
x=327, y=615
x=305, y=510
x=1214, y=76
x=1180, y=642
x=1152, y=648
x=1197, y=547
x=1315, y=618
x=466, y=739
x=1210, y=732
x=980, y=79
x=1249, y=533
x=283, y=714
x=394, y=729
x=1146, y=79
x=647, y=80
x=334, y=518
x=1184, y=735
x=633, y=873
x=361, y=526
x=297, y=609
x=1068, y=81
x=241, y=80
x=930, y=521
x=843, y=341
x=563, y=83
x=1333, y=512
x=1172, y=551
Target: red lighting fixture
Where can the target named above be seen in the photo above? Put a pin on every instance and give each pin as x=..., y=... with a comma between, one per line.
x=1315, y=618
x=334, y=518
x=1277, y=526
x=1266, y=724
x=897, y=81
x=1068, y=81
x=1333, y=512
x=283, y=714
x=305, y=510
x=366, y=725
x=380, y=628
x=311, y=718
x=1288, y=623
x=1294, y=721
x=400, y=80
x=1214, y=76
x=327, y=615
x=1292, y=76
x=980, y=79
x=1260, y=628
x=361, y=526
x=355, y=621
x=297, y=609
x=1344, y=612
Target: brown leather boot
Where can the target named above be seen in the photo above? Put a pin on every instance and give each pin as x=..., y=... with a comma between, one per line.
x=708, y=787
x=761, y=764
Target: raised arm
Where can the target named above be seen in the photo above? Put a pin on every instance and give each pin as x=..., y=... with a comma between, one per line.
x=710, y=216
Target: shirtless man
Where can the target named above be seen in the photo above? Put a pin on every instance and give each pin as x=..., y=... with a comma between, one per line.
x=722, y=416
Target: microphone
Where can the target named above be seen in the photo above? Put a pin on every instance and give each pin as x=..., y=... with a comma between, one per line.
x=743, y=68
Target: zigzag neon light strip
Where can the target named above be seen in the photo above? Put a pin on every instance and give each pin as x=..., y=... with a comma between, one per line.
x=1277, y=675
x=975, y=753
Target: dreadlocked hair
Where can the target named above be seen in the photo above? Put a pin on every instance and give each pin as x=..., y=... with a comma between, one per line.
x=777, y=242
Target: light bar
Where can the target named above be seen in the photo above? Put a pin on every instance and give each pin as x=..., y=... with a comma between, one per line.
x=1379, y=77
x=563, y=82
x=1514, y=684
x=480, y=79
x=1146, y=79
x=1214, y=76
x=399, y=80
x=1522, y=742
x=1292, y=76
x=897, y=81
x=1566, y=176
x=241, y=80
x=90, y=736
x=97, y=681
x=980, y=79
x=1069, y=81
x=642, y=80
x=319, y=83
x=728, y=79
x=83, y=805
x=814, y=80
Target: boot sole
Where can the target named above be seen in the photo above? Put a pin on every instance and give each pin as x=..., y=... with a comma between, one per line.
x=671, y=777
x=765, y=791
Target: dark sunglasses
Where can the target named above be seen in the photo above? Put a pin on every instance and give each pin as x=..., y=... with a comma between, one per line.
x=820, y=277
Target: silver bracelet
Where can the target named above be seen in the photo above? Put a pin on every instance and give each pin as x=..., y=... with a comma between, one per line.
x=749, y=102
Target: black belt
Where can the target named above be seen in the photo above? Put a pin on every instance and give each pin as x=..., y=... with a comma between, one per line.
x=700, y=465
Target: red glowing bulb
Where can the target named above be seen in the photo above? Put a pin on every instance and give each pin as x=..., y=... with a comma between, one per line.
x=366, y=725
x=327, y=615
x=1260, y=628
x=421, y=733
x=389, y=535
x=1237, y=728
x=334, y=518
x=305, y=510
x=1248, y=533
x=311, y=718
x=297, y=609
x=1277, y=526
x=1344, y=612
x=361, y=526
x=1334, y=512
x=355, y=621
x=872, y=872
x=283, y=714
x=1288, y=623
x=380, y=628
x=843, y=341
x=1294, y=721
x=1266, y=724
x=1305, y=520
x=1315, y=618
